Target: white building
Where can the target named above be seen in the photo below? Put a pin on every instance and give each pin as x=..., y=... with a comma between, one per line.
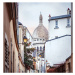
x=40, y=35
x=59, y=25
x=58, y=47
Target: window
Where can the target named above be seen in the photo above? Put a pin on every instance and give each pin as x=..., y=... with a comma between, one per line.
x=37, y=48
x=40, y=48
x=34, y=39
x=56, y=24
x=40, y=39
x=68, y=22
x=6, y=56
x=11, y=55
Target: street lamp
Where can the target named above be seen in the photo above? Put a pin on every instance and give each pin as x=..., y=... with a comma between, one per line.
x=25, y=39
x=40, y=55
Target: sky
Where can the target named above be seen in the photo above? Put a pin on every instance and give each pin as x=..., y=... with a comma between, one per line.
x=29, y=12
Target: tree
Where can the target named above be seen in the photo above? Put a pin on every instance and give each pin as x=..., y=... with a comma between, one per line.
x=28, y=59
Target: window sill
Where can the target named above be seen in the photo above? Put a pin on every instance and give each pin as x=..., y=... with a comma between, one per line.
x=68, y=26
x=56, y=28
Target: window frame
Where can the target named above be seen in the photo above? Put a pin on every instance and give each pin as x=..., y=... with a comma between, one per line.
x=68, y=22
x=56, y=24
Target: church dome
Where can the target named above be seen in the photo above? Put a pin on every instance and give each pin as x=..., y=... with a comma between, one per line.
x=40, y=31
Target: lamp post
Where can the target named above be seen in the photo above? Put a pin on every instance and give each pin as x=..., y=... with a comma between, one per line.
x=25, y=41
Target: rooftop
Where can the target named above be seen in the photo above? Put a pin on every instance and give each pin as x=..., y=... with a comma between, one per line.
x=59, y=17
x=19, y=23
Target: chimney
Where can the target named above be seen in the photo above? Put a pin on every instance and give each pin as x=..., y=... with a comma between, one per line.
x=68, y=11
x=49, y=17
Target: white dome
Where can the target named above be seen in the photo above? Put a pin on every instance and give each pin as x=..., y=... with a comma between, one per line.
x=40, y=31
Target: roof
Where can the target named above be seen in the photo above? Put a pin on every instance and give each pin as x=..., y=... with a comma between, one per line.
x=51, y=70
x=40, y=32
x=28, y=31
x=19, y=23
x=68, y=58
x=59, y=17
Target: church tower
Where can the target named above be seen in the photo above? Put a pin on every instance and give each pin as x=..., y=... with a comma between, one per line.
x=40, y=19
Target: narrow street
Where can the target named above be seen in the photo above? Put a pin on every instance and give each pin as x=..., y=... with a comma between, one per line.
x=34, y=42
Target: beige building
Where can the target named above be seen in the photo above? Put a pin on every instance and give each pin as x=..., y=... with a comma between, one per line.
x=68, y=64
x=21, y=46
x=12, y=61
x=23, y=31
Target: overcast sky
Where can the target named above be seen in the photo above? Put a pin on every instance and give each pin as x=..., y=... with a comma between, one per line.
x=29, y=12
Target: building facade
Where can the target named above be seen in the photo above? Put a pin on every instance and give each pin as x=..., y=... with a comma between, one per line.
x=60, y=25
x=23, y=31
x=59, y=42
x=11, y=57
x=40, y=35
x=21, y=46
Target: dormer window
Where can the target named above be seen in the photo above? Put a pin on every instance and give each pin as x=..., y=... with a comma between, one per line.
x=56, y=24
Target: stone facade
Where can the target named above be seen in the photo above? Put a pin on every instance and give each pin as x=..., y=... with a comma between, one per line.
x=11, y=57
x=23, y=31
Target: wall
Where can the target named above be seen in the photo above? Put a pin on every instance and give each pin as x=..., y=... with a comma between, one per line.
x=72, y=37
x=39, y=43
x=10, y=33
x=21, y=46
x=57, y=50
x=6, y=29
x=14, y=49
x=62, y=30
x=22, y=68
x=68, y=65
